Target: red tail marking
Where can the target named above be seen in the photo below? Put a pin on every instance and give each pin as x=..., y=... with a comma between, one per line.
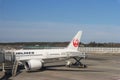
x=75, y=42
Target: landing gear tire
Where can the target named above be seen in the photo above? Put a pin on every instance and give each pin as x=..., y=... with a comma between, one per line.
x=84, y=66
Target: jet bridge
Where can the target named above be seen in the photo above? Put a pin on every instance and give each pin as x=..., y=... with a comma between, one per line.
x=9, y=56
x=1, y=55
x=8, y=60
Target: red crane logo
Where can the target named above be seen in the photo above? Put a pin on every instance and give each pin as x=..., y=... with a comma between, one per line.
x=75, y=42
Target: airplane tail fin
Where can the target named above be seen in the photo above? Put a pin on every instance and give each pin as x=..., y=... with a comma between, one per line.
x=74, y=44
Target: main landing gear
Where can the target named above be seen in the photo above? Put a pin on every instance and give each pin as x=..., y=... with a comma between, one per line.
x=77, y=63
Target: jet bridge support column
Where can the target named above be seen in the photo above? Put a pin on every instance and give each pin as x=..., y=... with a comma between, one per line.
x=15, y=67
x=3, y=67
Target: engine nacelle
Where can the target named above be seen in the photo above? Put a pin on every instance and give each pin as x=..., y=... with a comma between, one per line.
x=33, y=65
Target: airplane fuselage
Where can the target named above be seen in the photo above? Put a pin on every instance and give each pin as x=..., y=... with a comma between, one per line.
x=45, y=54
x=34, y=59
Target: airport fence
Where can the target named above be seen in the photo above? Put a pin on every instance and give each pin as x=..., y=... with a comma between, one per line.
x=100, y=50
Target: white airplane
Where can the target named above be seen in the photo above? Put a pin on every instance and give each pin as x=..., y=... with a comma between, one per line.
x=34, y=59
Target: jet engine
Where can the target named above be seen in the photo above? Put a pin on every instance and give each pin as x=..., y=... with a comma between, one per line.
x=33, y=65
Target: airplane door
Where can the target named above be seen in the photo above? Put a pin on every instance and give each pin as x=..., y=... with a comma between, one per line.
x=45, y=55
x=68, y=55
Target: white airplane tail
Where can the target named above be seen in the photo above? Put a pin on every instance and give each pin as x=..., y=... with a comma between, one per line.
x=74, y=44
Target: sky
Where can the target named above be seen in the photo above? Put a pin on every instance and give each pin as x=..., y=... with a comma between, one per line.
x=59, y=20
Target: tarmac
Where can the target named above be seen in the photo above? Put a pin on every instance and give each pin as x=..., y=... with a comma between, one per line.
x=100, y=67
